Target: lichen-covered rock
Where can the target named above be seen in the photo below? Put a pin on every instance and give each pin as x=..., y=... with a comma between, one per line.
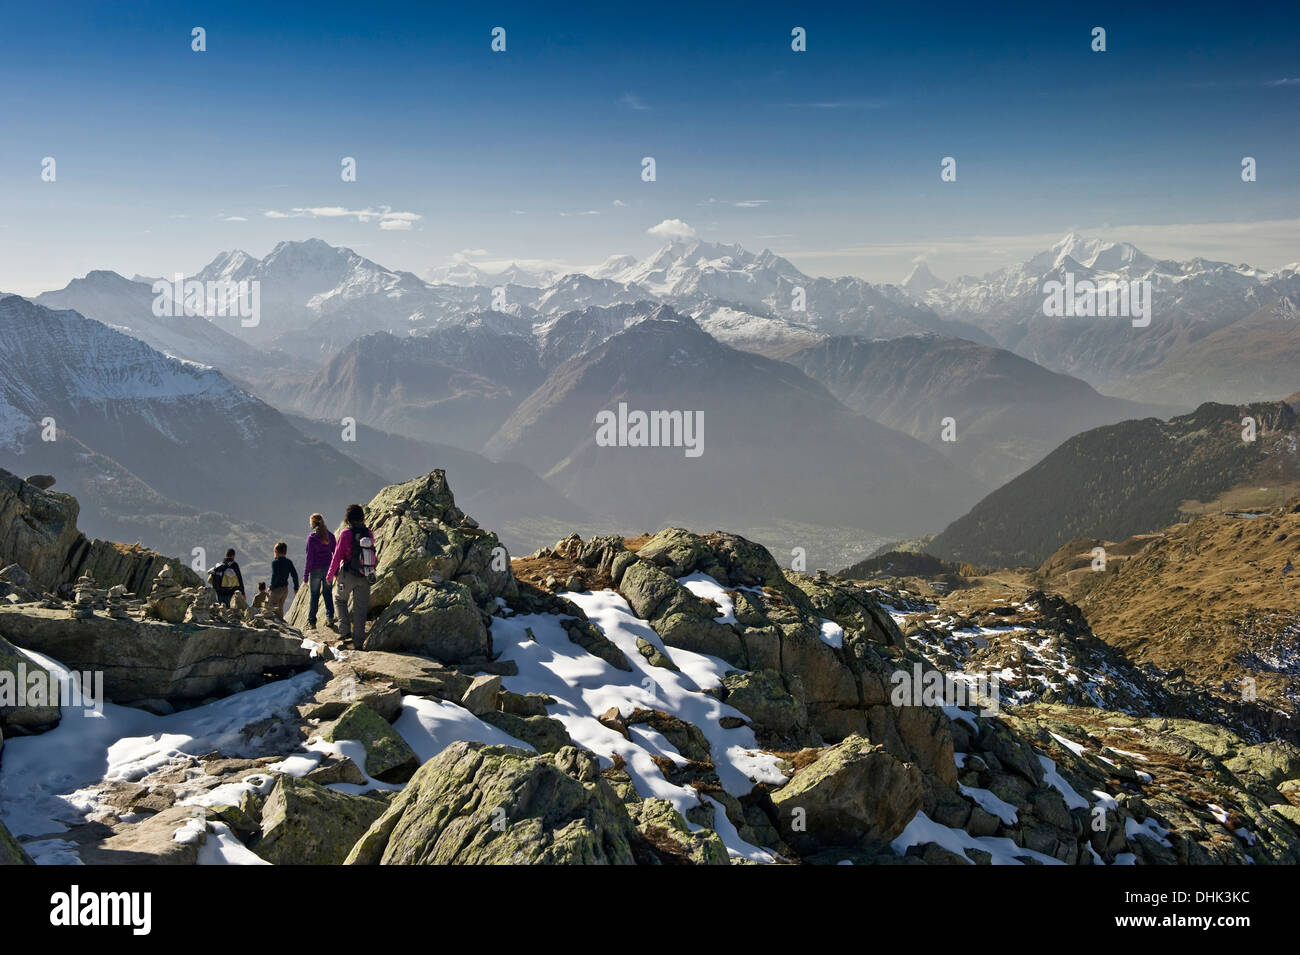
x=729, y=559
x=917, y=734
x=304, y=823
x=653, y=655
x=495, y=805
x=646, y=588
x=525, y=704
x=11, y=853
x=772, y=709
x=691, y=626
x=680, y=618
x=544, y=733
x=388, y=756
x=851, y=606
x=663, y=827
x=855, y=793
x=433, y=619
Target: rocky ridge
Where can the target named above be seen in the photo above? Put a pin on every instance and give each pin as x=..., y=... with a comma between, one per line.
x=673, y=699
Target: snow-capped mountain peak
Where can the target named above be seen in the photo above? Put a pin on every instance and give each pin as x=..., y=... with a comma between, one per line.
x=921, y=280
x=467, y=274
x=613, y=266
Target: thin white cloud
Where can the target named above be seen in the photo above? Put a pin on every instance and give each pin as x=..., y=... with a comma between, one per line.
x=672, y=229
x=233, y=219
x=632, y=101
x=619, y=203
x=384, y=215
x=738, y=203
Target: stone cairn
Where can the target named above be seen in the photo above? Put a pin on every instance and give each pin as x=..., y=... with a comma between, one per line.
x=201, y=609
x=167, y=600
x=115, y=602
x=83, y=604
x=257, y=615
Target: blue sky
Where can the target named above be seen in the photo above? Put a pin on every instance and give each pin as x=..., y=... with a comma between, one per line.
x=831, y=157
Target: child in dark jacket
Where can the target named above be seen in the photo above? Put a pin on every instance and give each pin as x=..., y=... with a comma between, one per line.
x=281, y=570
x=320, y=548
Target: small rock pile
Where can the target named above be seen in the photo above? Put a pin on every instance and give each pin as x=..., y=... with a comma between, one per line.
x=167, y=600
x=202, y=608
x=83, y=605
x=115, y=602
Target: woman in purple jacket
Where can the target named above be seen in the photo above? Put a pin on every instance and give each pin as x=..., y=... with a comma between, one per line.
x=320, y=548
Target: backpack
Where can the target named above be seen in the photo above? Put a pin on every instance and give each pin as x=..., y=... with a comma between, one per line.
x=223, y=576
x=363, y=561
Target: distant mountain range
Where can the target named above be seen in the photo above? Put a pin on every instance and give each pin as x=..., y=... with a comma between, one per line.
x=1217, y=331
x=825, y=398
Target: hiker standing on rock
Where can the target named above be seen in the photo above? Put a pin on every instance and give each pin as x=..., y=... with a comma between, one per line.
x=281, y=570
x=226, y=579
x=320, y=548
x=353, y=566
